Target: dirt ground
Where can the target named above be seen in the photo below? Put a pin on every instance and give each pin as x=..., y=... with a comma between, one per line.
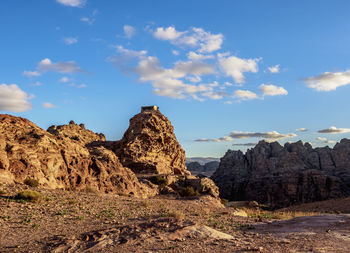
x=67, y=221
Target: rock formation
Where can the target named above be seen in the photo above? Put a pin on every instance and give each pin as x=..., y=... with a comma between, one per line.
x=282, y=176
x=60, y=161
x=150, y=146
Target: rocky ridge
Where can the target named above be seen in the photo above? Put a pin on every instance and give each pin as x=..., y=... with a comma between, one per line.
x=284, y=175
x=72, y=157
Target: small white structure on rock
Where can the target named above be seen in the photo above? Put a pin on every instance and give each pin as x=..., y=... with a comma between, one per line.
x=149, y=108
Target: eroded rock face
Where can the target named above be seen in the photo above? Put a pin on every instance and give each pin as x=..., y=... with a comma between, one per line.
x=282, y=176
x=150, y=146
x=59, y=161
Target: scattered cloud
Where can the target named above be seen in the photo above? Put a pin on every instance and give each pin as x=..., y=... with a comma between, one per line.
x=70, y=40
x=235, y=67
x=266, y=135
x=129, y=31
x=302, y=129
x=198, y=57
x=274, y=69
x=13, y=99
x=334, y=130
x=324, y=140
x=228, y=102
x=222, y=139
x=175, y=52
x=249, y=144
x=90, y=20
x=64, y=80
x=72, y=3
x=228, y=84
x=49, y=105
x=245, y=95
x=195, y=37
x=37, y=83
x=31, y=73
x=46, y=65
x=272, y=90
x=328, y=81
x=79, y=86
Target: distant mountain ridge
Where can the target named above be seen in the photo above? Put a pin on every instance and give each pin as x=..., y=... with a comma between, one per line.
x=202, y=160
x=285, y=175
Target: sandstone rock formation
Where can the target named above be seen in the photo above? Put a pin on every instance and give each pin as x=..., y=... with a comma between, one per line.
x=59, y=161
x=150, y=146
x=282, y=176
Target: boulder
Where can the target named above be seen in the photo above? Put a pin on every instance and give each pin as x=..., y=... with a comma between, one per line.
x=150, y=146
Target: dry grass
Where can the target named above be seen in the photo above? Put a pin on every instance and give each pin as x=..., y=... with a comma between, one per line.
x=29, y=195
x=279, y=215
x=177, y=214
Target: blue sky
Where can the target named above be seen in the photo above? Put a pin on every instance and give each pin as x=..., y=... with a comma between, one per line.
x=226, y=73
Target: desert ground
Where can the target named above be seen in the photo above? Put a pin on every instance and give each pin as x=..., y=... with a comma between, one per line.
x=87, y=221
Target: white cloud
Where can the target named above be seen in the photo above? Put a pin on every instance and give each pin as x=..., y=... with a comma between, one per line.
x=321, y=139
x=274, y=69
x=266, y=135
x=245, y=95
x=31, y=73
x=222, y=139
x=334, y=130
x=13, y=99
x=49, y=105
x=61, y=67
x=302, y=129
x=64, y=80
x=272, y=90
x=330, y=142
x=249, y=144
x=235, y=67
x=129, y=31
x=328, y=81
x=90, y=20
x=70, y=40
x=198, y=57
x=168, y=33
x=37, y=83
x=175, y=52
x=196, y=37
x=228, y=84
x=228, y=102
x=72, y=3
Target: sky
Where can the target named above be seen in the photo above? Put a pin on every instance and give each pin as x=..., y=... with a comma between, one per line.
x=227, y=74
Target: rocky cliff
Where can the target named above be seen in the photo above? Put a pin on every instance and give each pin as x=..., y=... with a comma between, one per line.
x=149, y=145
x=285, y=175
x=61, y=159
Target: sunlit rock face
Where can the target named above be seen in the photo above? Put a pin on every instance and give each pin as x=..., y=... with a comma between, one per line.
x=285, y=175
x=149, y=145
x=61, y=158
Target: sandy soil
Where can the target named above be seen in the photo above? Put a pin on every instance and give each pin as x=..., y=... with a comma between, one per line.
x=65, y=221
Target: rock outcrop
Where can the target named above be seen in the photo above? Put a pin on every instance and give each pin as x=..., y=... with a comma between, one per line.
x=282, y=176
x=150, y=146
x=59, y=161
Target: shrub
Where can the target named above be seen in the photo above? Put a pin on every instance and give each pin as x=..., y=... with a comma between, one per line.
x=159, y=180
x=31, y=182
x=177, y=214
x=28, y=195
x=91, y=189
x=188, y=191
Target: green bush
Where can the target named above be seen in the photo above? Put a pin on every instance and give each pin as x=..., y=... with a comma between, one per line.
x=31, y=182
x=28, y=195
x=188, y=191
